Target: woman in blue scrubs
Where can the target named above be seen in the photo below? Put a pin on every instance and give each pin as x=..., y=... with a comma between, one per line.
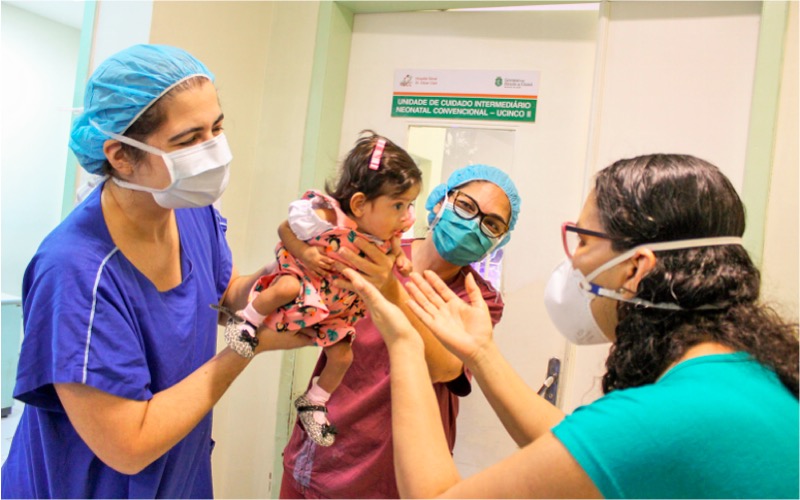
x=118, y=369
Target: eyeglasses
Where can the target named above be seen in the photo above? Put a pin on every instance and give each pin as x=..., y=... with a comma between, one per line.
x=467, y=208
x=571, y=240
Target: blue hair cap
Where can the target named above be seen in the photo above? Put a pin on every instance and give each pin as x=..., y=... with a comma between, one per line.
x=122, y=88
x=478, y=173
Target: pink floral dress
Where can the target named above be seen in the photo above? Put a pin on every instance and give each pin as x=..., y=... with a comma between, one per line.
x=330, y=311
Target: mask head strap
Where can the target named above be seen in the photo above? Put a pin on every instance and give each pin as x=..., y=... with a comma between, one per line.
x=377, y=153
x=130, y=142
x=595, y=289
x=442, y=208
x=495, y=243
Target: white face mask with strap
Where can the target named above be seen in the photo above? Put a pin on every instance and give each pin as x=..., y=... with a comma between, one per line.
x=198, y=174
x=569, y=294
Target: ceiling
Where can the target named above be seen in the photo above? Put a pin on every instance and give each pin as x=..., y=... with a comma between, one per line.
x=70, y=12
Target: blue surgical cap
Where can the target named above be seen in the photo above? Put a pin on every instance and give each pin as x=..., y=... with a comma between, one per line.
x=478, y=173
x=122, y=88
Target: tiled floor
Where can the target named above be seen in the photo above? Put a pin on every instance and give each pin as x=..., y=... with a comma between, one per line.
x=9, y=425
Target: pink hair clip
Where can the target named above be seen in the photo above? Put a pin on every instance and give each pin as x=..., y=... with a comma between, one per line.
x=375, y=161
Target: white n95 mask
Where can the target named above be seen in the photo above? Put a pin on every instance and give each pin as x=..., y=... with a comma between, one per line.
x=570, y=306
x=569, y=294
x=198, y=174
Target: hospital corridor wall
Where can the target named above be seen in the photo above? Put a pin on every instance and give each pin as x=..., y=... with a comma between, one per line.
x=39, y=55
x=298, y=80
x=39, y=58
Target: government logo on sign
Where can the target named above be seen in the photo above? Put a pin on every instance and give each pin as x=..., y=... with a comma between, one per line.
x=498, y=82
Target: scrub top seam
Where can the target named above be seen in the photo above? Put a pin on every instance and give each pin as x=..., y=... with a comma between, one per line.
x=91, y=313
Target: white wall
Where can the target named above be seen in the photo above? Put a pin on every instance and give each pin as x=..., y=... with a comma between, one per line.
x=673, y=77
x=678, y=78
x=118, y=25
x=39, y=59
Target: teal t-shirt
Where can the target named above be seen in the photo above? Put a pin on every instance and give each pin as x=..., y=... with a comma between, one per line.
x=719, y=426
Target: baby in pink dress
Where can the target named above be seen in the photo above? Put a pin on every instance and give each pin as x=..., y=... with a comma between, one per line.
x=373, y=199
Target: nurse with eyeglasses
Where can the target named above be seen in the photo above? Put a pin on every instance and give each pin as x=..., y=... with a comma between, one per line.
x=465, y=206
x=470, y=214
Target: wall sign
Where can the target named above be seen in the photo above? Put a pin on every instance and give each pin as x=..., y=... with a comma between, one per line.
x=466, y=94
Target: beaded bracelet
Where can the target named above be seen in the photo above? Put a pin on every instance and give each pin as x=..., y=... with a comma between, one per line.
x=239, y=340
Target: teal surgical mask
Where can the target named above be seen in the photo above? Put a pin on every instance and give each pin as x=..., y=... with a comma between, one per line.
x=459, y=241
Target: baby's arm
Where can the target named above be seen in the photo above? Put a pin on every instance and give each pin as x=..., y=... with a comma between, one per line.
x=401, y=261
x=312, y=257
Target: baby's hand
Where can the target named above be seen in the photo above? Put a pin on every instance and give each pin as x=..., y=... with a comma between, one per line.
x=401, y=262
x=316, y=261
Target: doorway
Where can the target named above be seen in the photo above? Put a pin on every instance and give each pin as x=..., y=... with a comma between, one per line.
x=440, y=150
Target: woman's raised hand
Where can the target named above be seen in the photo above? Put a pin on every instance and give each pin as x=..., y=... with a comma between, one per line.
x=463, y=328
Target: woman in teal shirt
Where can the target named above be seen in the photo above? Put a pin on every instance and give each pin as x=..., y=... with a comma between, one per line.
x=702, y=382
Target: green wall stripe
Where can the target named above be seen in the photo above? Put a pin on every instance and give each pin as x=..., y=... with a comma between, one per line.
x=81, y=75
x=326, y=94
x=763, y=122
x=320, y=155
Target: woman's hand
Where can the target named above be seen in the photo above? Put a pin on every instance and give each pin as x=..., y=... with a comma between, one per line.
x=463, y=328
x=389, y=319
x=375, y=266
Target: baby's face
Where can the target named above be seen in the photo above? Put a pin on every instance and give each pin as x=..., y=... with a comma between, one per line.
x=389, y=215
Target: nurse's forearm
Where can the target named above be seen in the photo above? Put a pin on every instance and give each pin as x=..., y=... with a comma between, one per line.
x=423, y=465
x=525, y=415
x=129, y=435
x=443, y=365
x=238, y=291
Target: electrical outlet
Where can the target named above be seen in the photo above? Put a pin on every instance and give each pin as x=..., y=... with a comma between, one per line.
x=553, y=370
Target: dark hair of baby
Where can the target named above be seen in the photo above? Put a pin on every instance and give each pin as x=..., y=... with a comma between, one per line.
x=397, y=172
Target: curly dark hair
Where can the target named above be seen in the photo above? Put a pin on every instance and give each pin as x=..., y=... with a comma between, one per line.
x=664, y=197
x=397, y=172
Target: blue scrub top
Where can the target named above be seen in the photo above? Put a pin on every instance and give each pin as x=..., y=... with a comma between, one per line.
x=92, y=318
